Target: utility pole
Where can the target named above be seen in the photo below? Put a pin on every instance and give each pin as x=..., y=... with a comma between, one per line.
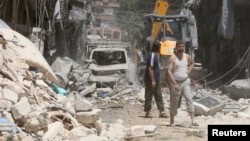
x=27, y=15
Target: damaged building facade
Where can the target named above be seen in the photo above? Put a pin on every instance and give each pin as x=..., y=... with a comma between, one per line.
x=54, y=25
x=223, y=35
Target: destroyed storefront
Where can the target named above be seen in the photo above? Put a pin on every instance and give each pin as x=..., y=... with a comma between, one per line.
x=223, y=39
x=57, y=27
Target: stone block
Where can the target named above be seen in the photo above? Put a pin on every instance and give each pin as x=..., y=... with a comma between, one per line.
x=82, y=105
x=21, y=108
x=88, y=117
x=196, y=132
x=136, y=131
x=53, y=130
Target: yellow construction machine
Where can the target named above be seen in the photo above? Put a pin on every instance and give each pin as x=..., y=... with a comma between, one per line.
x=159, y=26
x=160, y=9
x=165, y=28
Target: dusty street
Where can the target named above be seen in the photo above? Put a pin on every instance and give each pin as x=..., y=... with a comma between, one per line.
x=132, y=114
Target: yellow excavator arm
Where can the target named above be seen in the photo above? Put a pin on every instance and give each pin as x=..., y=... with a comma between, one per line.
x=161, y=9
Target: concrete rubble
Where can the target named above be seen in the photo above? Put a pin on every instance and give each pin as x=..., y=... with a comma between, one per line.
x=238, y=89
x=32, y=110
x=208, y=105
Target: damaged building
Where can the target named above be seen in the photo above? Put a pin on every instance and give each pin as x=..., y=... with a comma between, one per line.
x=43, y=100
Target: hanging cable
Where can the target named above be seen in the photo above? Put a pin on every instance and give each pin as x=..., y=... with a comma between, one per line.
x=239, y=63
x=243, y=66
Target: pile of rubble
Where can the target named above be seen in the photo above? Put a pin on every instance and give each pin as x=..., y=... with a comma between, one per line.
x=34, y=106
x=31, y=109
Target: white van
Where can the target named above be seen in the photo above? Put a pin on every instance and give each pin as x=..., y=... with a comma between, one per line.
x=109, y=66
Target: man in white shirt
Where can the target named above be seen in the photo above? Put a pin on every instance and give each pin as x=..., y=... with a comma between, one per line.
x=180, y=66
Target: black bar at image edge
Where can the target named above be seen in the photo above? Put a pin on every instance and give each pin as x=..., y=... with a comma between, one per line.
x=218, y=132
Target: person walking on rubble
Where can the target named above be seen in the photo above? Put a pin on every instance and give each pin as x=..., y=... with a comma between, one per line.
x=180, y=66
x=152, y=83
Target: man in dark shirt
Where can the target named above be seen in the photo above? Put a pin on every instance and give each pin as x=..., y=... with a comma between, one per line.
x=152, y=82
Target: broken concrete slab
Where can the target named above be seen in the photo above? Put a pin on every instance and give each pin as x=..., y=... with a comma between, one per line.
x=36, y=123
x=21, y=108
x=208, y=105
x=82, y=131
x=63, y=65
x=28, y=51
x=98, y=126
x=89, y=117
x=88, y=90
x=196, y=132
x=135, y=131
x=10, y=95
x=243, y=115
x=53, y=130
x=114, y=132
x=82, y=105
x=238, y=89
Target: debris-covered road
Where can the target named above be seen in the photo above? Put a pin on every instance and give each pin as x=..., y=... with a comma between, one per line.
x=34, y=109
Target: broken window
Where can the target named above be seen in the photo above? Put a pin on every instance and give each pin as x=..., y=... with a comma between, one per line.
x=109, y=57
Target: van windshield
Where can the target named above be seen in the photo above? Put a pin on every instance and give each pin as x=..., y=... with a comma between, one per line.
x=109, y=57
